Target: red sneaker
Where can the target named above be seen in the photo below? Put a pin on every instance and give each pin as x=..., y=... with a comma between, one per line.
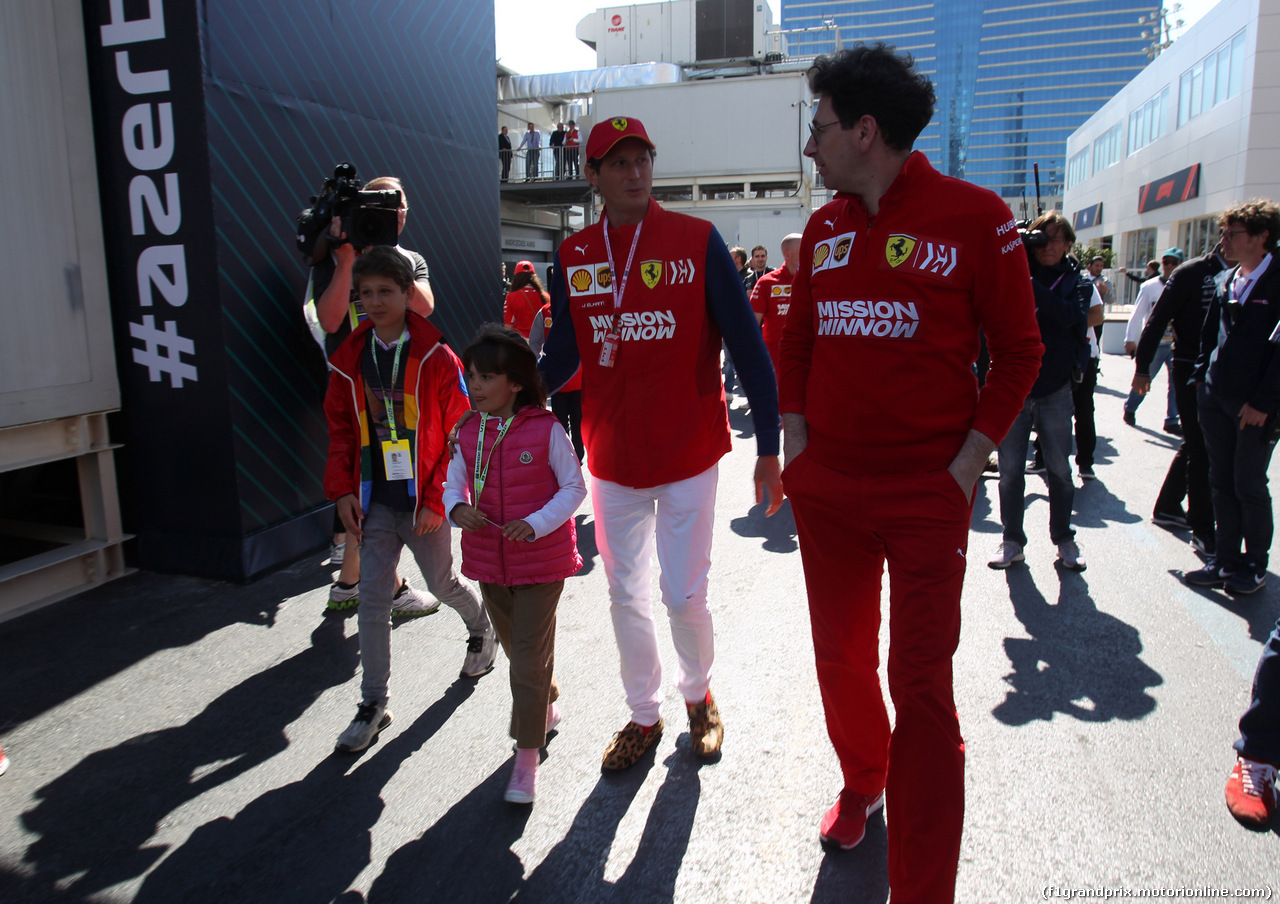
x=1251, y=794
x=845, y=824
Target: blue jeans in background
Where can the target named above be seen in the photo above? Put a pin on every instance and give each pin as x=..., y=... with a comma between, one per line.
x=1050, y=417
x=1158, y=360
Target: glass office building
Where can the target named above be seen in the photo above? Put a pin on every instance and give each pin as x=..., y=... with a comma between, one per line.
x=1013, y=78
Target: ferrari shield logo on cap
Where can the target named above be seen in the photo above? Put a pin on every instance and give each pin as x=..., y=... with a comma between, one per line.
x=651, y=271
x=898, y=249
x=620, y=124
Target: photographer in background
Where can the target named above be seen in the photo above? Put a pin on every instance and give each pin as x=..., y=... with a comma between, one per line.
x=332, y=310
x=1066, y=305
x=330, y=293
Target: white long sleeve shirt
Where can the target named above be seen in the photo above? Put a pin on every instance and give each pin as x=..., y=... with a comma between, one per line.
x=559, y=508
x=1148, y=294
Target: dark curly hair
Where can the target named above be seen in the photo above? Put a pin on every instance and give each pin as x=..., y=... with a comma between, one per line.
x=498, y=350
x=872, y=80
x=1254, y=215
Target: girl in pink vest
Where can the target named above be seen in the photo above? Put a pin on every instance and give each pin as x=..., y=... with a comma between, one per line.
x=513, y=486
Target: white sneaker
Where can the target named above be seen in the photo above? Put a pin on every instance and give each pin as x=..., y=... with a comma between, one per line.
x=337, y=552
x=482, y=650
x=1006, y=554
x=409, y=603
x=370, y=719
x=343, y=597
x=1069, y=556
x=553, y=716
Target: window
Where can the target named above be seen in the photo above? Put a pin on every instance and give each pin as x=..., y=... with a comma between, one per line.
x=1078, y=168
x=1106, y=148
x=1212, y=80
x=1198, y=236
x=1147, y=123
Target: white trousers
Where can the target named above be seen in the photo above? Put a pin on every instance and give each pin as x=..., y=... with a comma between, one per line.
x=680, y=515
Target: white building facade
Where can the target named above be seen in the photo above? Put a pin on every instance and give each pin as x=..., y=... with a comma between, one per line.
x=1196, y=130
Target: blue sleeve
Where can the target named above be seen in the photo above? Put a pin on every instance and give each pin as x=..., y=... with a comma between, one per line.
x=728, y=306
x=560, y=359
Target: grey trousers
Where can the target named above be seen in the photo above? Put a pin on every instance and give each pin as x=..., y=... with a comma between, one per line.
x=386, y=533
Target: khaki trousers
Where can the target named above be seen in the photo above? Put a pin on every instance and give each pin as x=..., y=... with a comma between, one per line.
x=525, y=618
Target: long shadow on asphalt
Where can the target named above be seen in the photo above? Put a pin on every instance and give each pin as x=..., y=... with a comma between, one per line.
x=309, y=840
x=94, y=820
x=740, y=420
x=574, y=868
x=1096, y=506
x=587, y=547
x=1260, y=610
x=859, y=876
x=778, y=530
x=1079, y=660
x=55, y=653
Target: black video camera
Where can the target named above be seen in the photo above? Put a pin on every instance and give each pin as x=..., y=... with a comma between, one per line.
x=368, y=217
x=1032, y=238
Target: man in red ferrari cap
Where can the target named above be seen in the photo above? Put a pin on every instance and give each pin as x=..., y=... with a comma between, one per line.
x=640, y=302
x=525, y=299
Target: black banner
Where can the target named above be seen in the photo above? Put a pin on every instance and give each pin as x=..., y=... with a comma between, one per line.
x=214, y=123
x=1181, y=186
x=153, y=165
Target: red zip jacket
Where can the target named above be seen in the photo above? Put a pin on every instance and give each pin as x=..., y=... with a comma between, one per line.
x=434, y=398
x=879, y=343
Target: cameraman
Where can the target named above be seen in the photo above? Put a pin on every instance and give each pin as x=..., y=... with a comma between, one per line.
x=332, y=306
x=1065, y=304
x=332, y=310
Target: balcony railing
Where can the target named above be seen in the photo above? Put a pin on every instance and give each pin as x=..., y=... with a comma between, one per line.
x=543, y=165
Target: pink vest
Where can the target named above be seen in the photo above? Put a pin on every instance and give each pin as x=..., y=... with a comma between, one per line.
x=520, y=481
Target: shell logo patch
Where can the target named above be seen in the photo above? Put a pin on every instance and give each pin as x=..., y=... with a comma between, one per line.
x=899, y=248
x=526, y=457
x=580, y=280
x=620, y=124
x=604, y=277
x=651, y=272
x=834, y=252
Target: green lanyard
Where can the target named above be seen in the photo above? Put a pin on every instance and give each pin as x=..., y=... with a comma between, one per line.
x=483, y=474
x=386, y=396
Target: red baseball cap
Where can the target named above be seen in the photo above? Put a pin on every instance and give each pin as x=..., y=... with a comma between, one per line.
x=524, y=267
x=604, y=135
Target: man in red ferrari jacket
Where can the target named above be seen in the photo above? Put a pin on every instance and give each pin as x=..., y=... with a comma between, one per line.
x=897, y=275
x=640, y=303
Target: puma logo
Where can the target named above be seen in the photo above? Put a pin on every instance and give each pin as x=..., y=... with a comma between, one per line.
x=831, y=224
x=581, y=249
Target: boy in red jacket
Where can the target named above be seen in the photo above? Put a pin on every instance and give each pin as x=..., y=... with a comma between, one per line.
x=394, y=393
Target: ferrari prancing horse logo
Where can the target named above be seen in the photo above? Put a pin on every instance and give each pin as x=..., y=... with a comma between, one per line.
x=620, y=124
x=651, y=271
x=898, y=248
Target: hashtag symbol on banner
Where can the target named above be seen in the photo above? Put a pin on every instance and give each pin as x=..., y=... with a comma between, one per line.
x=162, y=351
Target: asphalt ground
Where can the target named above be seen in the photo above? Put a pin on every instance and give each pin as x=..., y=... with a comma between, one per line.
x=172, y=738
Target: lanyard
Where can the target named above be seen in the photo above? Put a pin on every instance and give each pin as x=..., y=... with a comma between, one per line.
x=482, y=475
x=386, y=396
x=619, y=287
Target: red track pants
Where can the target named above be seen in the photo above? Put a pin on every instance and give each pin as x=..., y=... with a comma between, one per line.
x=848, y=527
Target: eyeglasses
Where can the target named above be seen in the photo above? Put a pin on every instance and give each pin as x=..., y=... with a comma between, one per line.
x=1232, y=233
x=815, y=129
